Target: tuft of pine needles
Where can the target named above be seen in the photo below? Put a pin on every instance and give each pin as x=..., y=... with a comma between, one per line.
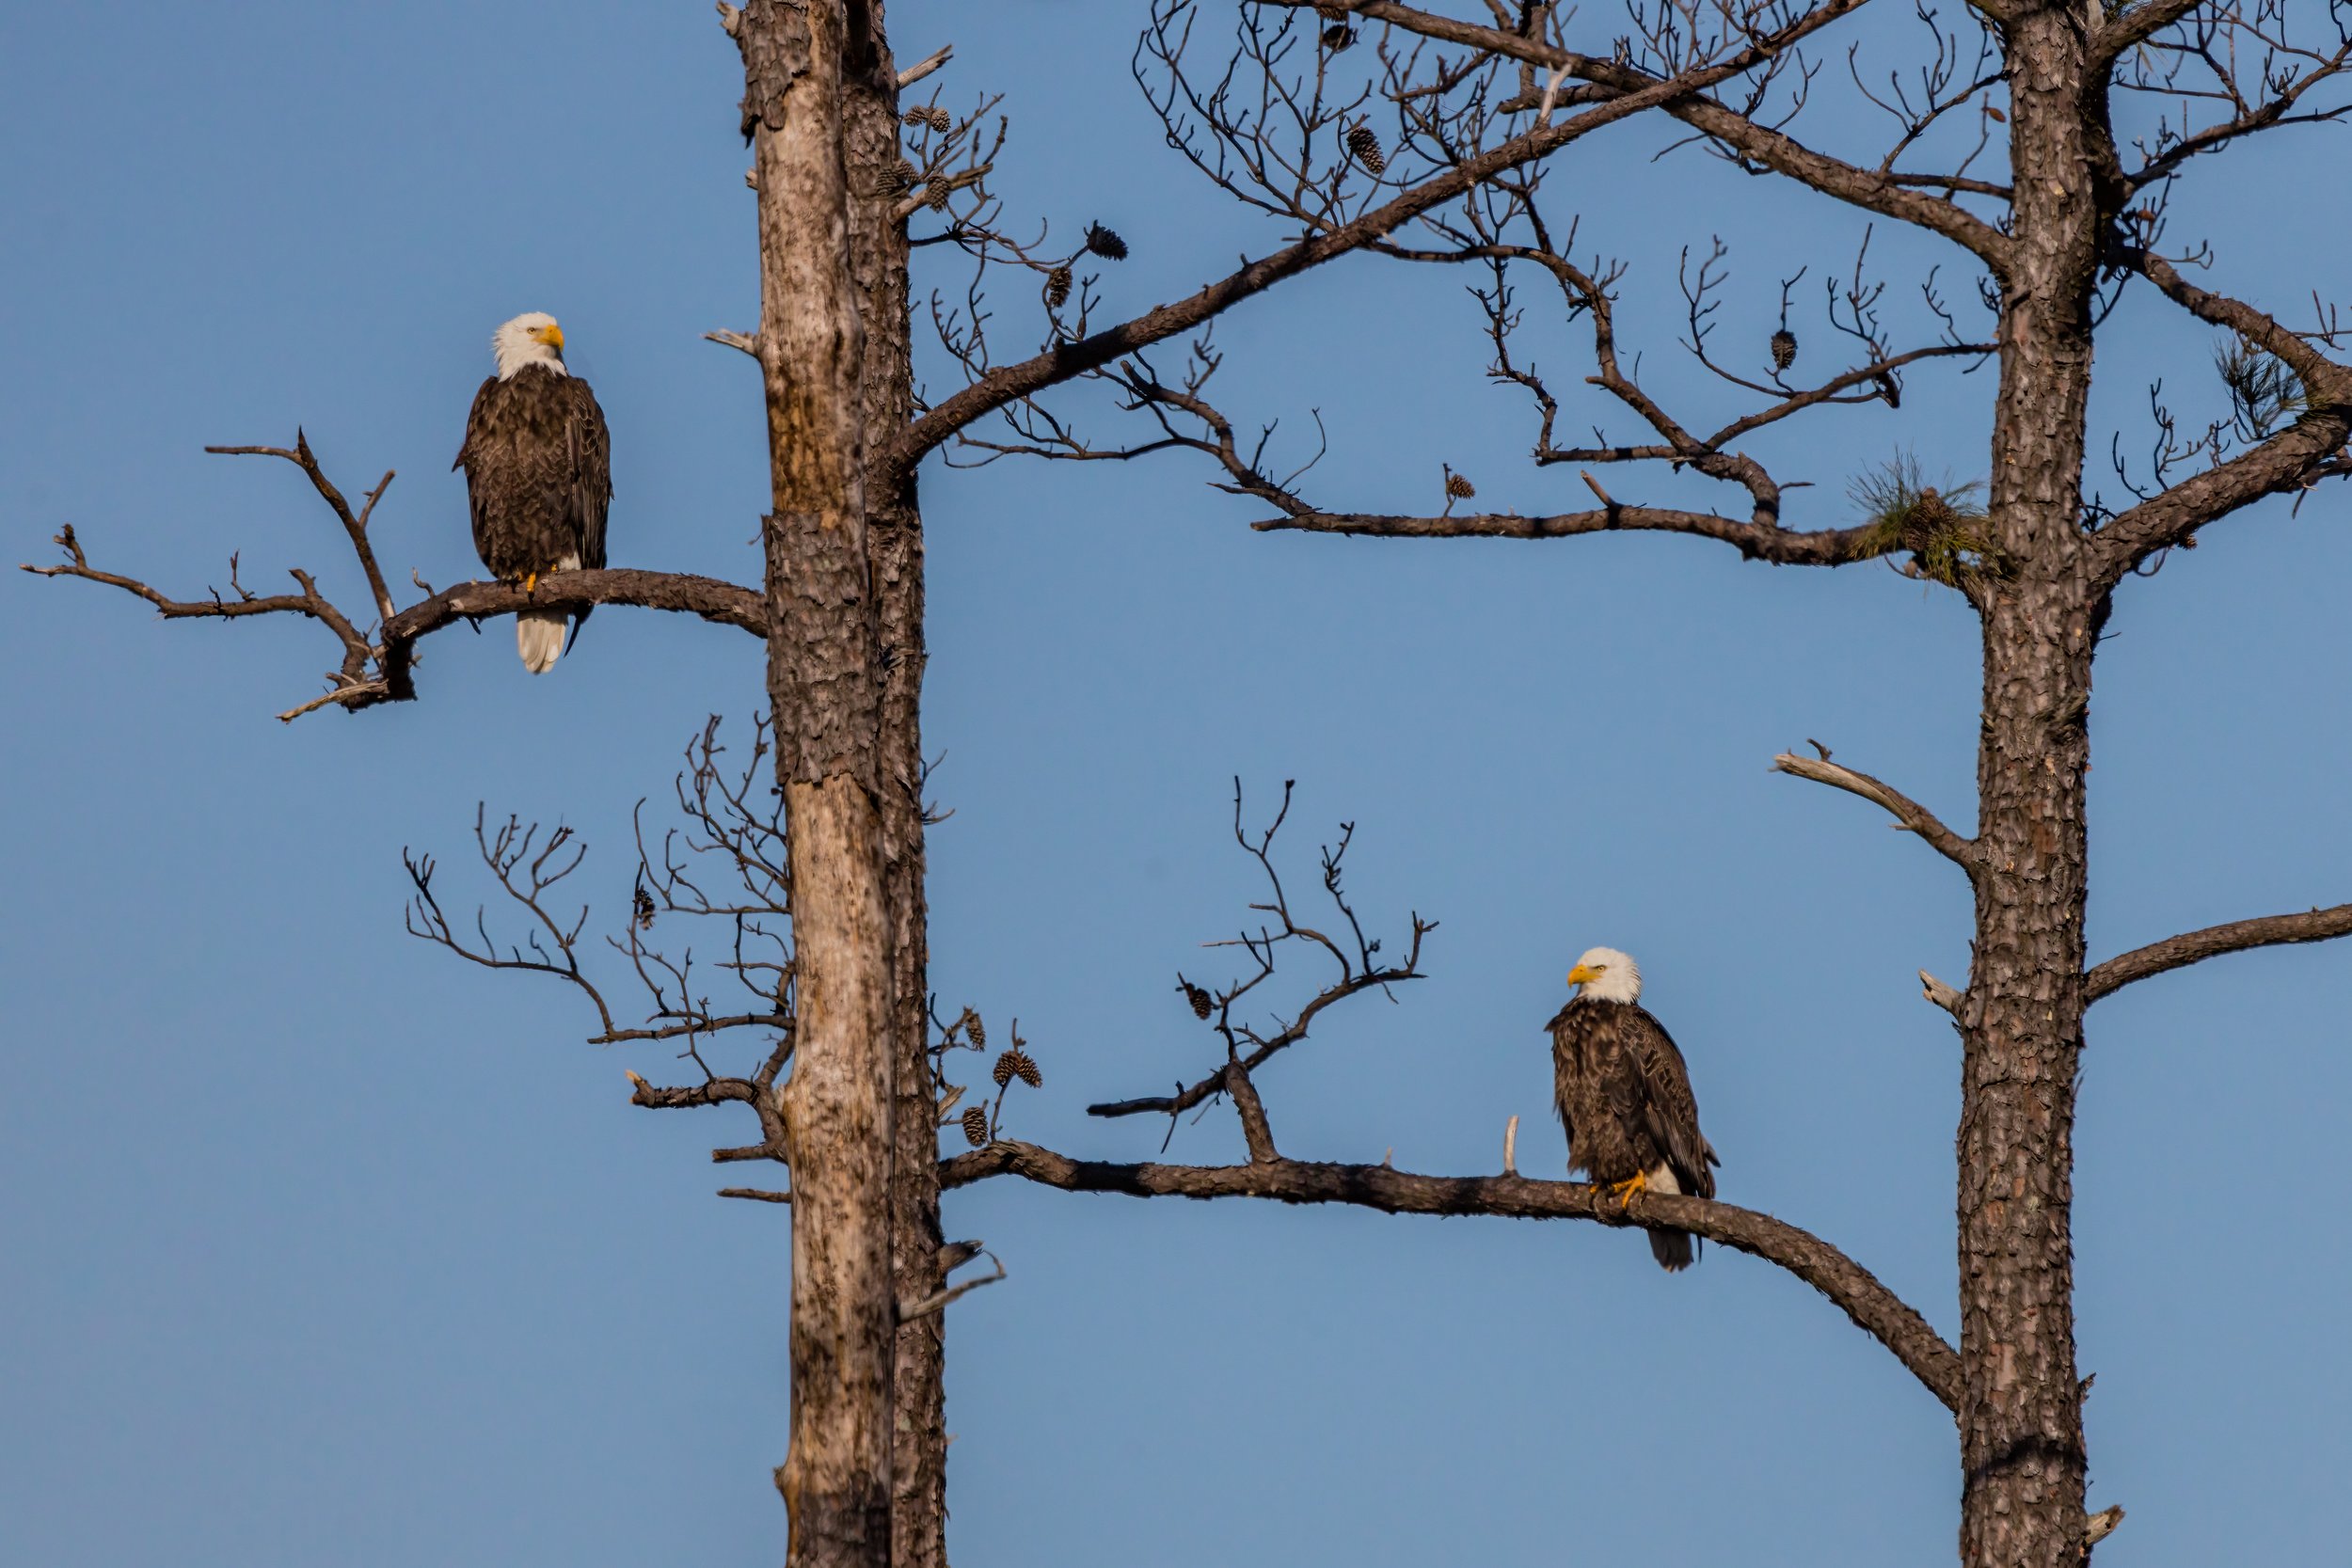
x=1942, y=530
x=2263, y=392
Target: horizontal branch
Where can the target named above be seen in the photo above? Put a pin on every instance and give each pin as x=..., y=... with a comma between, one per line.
x=1907, y=811
x=753, y=1091
x=378, y=666
x=727, y=603
x=687, y=1097
x=691, y=1028
x=2196, y=946
x=1758, y=540
x=1873, y=1307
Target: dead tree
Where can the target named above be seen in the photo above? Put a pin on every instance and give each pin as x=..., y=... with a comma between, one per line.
x=2038, y=143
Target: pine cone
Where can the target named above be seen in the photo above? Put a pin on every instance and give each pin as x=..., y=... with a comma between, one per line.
x=935, y=196
x=1459, y=488
x=1105, y=244
x=1338, y=37
x=1003, y=1074
x=895, y=181
x=972, y=1029
x=1202, y=1002
x=1366, y=146
x=931, y=116
x=1057, y=288
x=975, y=1127
x=1018, y=1063
x=1784, y=350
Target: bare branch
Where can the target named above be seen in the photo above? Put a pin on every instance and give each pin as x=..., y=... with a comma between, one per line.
x=383, y=669
x=1069, y=359
x=756, y=1195
x=1907, y=811
x=1935, y=991
x=355, y=523
x=718, y=1091
x=940, y=1301
x=2130, y=25
x=925, y=66
x=721, y=603
x=1871, y=1305
x=2287, y=460
x=1255, y=1129
x=1757, y=539
x=1870, y=189
x=2315, y=925
x=1248, y=1046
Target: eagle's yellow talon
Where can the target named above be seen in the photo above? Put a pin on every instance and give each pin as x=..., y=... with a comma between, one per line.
x=530, y=582
x=1622, y=1191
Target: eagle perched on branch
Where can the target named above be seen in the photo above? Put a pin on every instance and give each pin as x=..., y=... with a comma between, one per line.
x=1625, y=1097
x=538, y=466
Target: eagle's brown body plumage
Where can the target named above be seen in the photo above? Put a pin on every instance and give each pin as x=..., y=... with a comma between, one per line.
x=538, y=465
x=1625, y=1097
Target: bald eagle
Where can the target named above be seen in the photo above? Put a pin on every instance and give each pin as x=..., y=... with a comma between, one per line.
x=1625, y=1097
x=538, y=468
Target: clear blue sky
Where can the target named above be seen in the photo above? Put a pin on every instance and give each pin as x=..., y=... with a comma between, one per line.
x=317, y=1246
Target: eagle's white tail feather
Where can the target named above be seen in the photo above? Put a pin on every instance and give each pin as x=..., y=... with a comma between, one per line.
x=539, y=637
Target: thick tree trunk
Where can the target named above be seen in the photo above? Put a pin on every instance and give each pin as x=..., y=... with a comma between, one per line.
x=2021, y=1429
x=2021, y=1413
x=878, y=252
x=821, y=679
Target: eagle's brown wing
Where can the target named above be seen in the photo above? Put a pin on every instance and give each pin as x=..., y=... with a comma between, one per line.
x=1653, y=1075
x=590, y=447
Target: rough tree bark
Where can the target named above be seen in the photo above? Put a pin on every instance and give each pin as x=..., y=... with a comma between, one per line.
x=2020, y=1433
x=821, y=679
x=877, y=259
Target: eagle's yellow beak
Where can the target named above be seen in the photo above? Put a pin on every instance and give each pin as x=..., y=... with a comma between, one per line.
x=1581, y=973
x=552, y=336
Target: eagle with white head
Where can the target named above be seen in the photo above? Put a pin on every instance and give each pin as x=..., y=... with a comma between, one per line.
x=538, y=466
x=1625, y=1097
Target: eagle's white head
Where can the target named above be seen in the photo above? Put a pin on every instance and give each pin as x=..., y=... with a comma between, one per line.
x=531, y=339
x=1607, y=975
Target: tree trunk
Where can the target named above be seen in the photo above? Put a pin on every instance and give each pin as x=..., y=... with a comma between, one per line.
x=2021, y=1429
x=2021, y=1413
x=821, y=668
x=878, y=255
